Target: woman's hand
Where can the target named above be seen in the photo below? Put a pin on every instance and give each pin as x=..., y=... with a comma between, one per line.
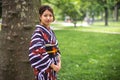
x=58, y=66
x=55, y=67
x=59, y=62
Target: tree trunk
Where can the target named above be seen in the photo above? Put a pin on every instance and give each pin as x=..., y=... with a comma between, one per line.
x=18, y=20
x=116, y=12
x=0, y=8
x=106, y=16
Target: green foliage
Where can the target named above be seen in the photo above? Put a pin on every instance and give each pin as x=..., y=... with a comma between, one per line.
x=88, y=55
x=79, y=9
x=68, y=7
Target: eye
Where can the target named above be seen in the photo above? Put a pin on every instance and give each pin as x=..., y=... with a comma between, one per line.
x=45, y=15
x=51, y=15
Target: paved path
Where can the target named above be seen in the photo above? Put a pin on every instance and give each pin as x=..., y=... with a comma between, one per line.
x=84, y=25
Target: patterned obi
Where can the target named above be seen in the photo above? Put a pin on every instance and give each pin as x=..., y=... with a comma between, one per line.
x=51, y=49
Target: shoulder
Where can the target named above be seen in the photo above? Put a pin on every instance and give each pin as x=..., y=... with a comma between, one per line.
x=37, y=30
x=38, y=26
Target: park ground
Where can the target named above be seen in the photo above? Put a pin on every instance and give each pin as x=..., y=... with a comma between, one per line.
x=112, y=28
x=89, y=52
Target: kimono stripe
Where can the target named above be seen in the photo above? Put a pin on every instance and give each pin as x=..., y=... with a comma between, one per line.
x=38, y=56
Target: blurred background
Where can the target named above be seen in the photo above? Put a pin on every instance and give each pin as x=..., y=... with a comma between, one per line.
x=85, y=11
x=88, y=32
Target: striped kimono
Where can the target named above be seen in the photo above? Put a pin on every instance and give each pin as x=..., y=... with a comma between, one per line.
x=38, y=56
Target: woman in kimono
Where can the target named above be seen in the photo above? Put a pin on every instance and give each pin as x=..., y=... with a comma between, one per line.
x=44, y=54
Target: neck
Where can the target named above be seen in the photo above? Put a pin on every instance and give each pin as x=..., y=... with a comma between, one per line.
x=46, y=26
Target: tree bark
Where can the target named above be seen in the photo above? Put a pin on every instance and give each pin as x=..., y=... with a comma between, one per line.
x=18, y=20
x=116, y=12
x=106, y=16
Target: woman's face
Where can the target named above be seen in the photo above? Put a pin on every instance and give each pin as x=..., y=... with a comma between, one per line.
x=46, y=18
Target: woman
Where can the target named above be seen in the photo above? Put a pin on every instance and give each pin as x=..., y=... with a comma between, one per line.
x=44, y=53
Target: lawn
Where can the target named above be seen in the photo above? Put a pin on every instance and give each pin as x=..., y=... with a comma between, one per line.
x=88, y=55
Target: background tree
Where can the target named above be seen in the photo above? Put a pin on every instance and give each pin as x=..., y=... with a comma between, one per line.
x=79, y=8
x=71, y=8
x=116, y=10
x=101, y=6
x=18, y=19
x=0, y=8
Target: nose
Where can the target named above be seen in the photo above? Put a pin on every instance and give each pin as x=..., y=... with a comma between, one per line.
x=48, y=17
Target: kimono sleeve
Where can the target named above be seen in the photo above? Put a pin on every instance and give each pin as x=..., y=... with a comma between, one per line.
x=38, y=56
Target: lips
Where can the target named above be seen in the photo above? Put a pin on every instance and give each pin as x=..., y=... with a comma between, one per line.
x=48, y=21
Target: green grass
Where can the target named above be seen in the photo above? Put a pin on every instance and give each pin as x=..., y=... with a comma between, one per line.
x=88, y=55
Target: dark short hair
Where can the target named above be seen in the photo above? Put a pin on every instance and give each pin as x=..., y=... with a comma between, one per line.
x=46, y=7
